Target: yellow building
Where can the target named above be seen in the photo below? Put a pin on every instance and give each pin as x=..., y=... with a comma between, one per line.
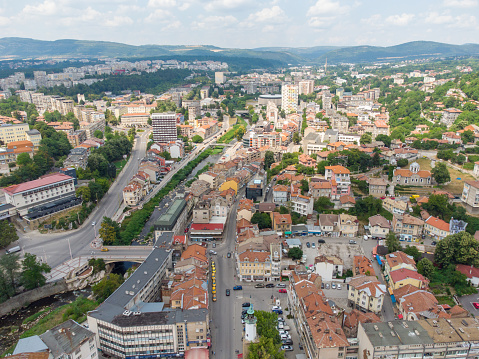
x=366, y=293
x=401, y=277
x=254, y=266
x=13, y=132
x=398, y=260
x=229, y=184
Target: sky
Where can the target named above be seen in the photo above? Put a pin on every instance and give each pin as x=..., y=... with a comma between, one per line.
x=244, y=23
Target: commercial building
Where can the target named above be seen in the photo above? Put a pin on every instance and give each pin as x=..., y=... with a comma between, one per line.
x=426, y=338
x=133, y=322
x=173, y=218
x=164, y=127
x=13, y=132
x=135, y=120
x=32, y=196
x=407, y=227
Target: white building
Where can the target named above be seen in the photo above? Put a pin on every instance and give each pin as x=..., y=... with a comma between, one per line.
x=289, y=98
x=302, y=204
x=164, y=127
x=46, y=189
x=328, y=267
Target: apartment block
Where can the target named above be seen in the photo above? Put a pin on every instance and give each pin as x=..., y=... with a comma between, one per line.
x=164, y=127
x=366, y=293
x=470, y=196
x=289, y=98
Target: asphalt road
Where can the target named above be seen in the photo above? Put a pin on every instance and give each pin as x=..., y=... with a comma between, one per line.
x=55, y=248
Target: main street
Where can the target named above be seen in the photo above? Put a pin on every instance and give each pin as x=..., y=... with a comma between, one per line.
x=55, y=248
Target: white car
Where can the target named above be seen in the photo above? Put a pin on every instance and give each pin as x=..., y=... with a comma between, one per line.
x=93, y=223
x=287, y=348
x=281, y=332
x=333, y=286
x=280, y=325
x=285, y=336
x=276, y=307
x=339, y=286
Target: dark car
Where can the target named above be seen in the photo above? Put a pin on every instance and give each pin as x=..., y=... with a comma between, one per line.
x=321, y=241
x=269, y=285
x=287, y=341
x=227, y=292
x=322, y=285
x=433, y=243
x=277, y=311
x=246, y=305
x=244, y=311
x=308, y=244
x=238, y=287
x=229, y=255
x=259, y=285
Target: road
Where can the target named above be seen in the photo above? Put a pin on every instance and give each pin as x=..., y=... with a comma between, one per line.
x=55, y=248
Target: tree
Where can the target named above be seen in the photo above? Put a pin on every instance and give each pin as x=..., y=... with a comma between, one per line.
x=265, y=349
x=104, y=288
x=295, y=253
x=440, y=173
x=322, y=204
x=8, y=233
x=384, y=139
x=296, y=138
x=98, y=264
x=425, y=267
x=266, y=325
x=10, y=264
x=392, y=242
x=304, y=186
x=109, y=230
x=263, y=220
x=459, y=248
x=466, y=137
x=98, y=134
x=376, y=159
x=84, y=193
x=24, y=159
x=402, y=162
x=268, y=159
x=413, y=252
x=438, y=206
x=197, y=139
x=32, y=272
x=239, y=132
x=366, y=138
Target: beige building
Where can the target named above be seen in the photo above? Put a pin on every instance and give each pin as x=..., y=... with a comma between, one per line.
x=407, y=227
x=377, y=187
x=366, y=293
x=470, y=195
x=254, y=266
x=202, y=212
x=135, y=120
x=349, y=225
x=394, y=206
x=132, y=194
x=379, y=226
x=412, y=176
x=13, y=132
x=320, y=189
x=436, y=227
x=214, y=179
x=398, y=260
x=34, y=136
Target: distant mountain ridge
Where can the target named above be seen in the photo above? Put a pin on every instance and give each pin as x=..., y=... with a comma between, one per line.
x=24, y=48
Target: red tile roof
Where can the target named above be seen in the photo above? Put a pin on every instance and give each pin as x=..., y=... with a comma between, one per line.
x=42, y=181
x=469, y=271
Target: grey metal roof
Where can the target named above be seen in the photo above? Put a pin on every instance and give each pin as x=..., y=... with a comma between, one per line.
x=31, y=344
x=65, y=338
x=33, y=132
x=161, y=318
x=396, y=332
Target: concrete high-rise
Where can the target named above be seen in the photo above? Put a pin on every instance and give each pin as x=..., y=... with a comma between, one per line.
x=289, y=98
x=164, y=127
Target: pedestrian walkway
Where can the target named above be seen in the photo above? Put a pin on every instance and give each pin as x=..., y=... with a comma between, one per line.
x=66, y=267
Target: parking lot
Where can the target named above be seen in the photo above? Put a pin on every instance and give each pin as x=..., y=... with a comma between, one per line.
x=467, y=300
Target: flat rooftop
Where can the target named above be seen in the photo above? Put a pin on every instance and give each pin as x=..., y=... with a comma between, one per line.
x=396, y=332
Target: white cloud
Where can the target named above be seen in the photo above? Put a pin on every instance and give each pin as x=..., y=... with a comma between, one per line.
x=269, y=15
x=439, y=19
x=162, y=3
x=460, y=3
x=48, y=7
x=400, y=19
x=124, y=9
x=321, y=22
x=375, y=20
x=90, y=14
x=118, y=21
x=215, y=22
x=172, y=25
x=327, y=7
x=158, y=15
x=225, y=4
x=464, y=21
x=4, y=21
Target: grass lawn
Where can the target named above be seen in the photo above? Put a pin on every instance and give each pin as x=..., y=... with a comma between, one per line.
x=425, y=163
x=120, y=164
x=446, y=299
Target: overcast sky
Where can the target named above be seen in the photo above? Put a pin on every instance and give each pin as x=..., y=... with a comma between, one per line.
x=243, y=23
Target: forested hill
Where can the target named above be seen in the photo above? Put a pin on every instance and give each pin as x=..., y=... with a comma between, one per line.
x=22, y=48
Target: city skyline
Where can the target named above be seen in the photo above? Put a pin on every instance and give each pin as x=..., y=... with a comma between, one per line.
x=237, y=23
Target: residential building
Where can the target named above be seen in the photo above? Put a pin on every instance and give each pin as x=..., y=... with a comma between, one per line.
x=34, y=136
x=340, y=175
x=379, y=226
x=436, y=227
x=330, y=225
x=280, y=194
x=137, y=307
x=78, y=157
x=415, y=304
x=470, y=196
x=91, y=127
x=229, y=183
x=320, y=189
x=137, y=120
x=306, y=87
x=349, y=225
x=202, y=212
x=366, y=293
x=362, y=265
x=413, y=177
x=289, y=98
x=68, y=339
x=302, y=204
x=254, y=266
x=164, y=127
x=401, y=277
x=398, y=260
x=449, y=115
x=214, y=179
x=351, y=323
x=56, y=189
x=306, y=160
x=472, y=273
x=377, y=187
x=407, y=227
x=281, y=223
x=395, y=206
x=76, y=137
x=328, y=267
x=13, y=132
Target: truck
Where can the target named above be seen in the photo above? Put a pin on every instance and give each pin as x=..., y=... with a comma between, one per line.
x=13, y=250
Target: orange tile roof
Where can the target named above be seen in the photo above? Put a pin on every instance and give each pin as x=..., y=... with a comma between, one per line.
x=438, y=223
x=338, y=169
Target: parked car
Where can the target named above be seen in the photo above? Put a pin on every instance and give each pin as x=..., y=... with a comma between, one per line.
x=433, y=243
x=212, y=252
x=246, y=305
x=269, y=285
x=282, y=290
x=244, y=311
x=280, y=325
x=276, y=307
x=333, y=285
x=281, y=285
x=278, y=311
x=322, y=285
x=308, y=244
x=286, y=348
x=352, y=242
x=321, y=241
x=313, y=245
x=285, y=336
x=227, y=292
x=280, y=319
x=229, y=255
x=287, y=341
x=238, y=287
x=476, y=305
x=339, y=286
x=259, y=285
x=327, y=285
x=282, y=331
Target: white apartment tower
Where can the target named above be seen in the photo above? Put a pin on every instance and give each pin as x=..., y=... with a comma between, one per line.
x=289, y=98
x=306, y=87
x=164, y=127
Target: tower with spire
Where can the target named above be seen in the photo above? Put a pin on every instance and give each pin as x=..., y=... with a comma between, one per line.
x=250, y=325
